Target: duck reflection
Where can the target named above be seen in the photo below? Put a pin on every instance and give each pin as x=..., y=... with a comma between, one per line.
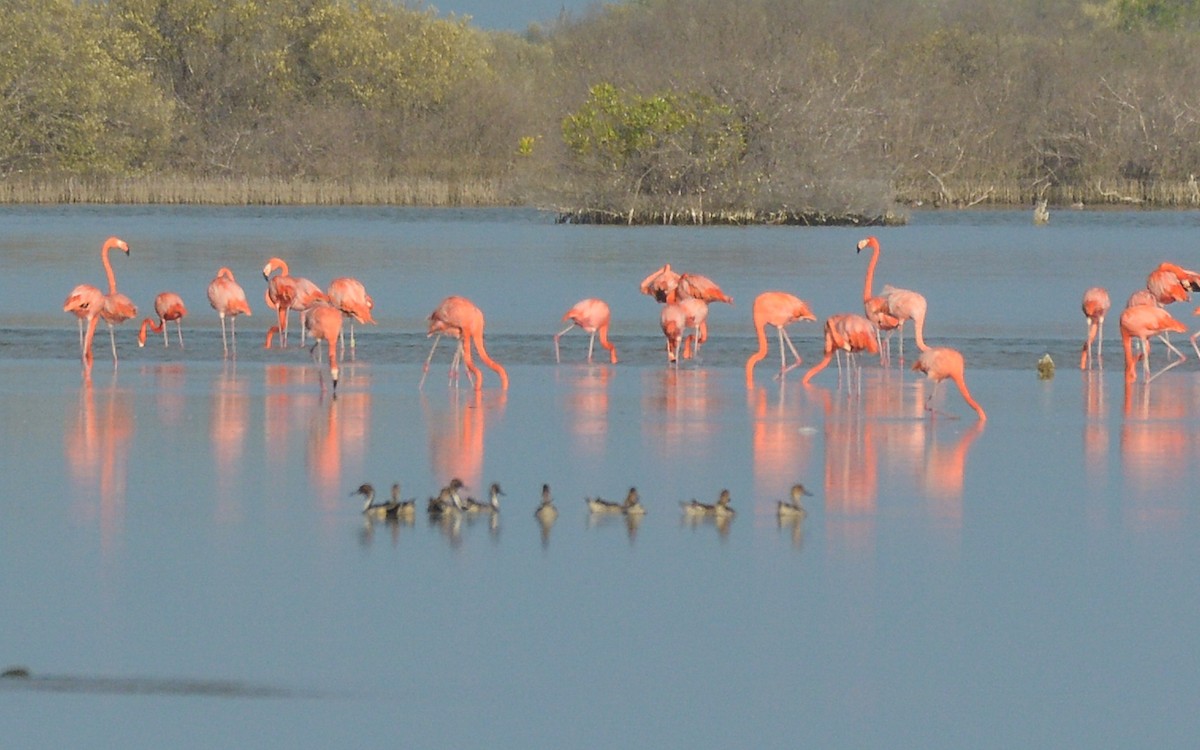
x=1158, y=446
x=229, y=414
x=585, y=405
x=458, y=430
x=97, y=444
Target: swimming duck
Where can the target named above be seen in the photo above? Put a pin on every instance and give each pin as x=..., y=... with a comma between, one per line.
x=793, y=508
x=401, y=508
x=721, y=509
x=448, y=499
x=600, y=505
x=546, y=512
x=492, y=506
x=633, y=505
x=393, y=508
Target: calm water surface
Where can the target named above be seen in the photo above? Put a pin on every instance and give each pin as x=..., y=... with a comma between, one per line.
x=181, y=564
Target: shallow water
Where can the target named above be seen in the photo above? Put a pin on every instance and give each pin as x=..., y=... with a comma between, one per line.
x=183, y=565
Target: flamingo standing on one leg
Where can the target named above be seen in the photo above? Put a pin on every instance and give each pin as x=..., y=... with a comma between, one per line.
x=280, y=296
x=228, y=298
x=168, y=306
x=459, y=314
x=893, y=306
x=593, y=316
x=350, y=296
x=324, y=323
x=1142, y=322
x=940, y=363
x=778, y=309
x=845, y=332
x=1095, y=304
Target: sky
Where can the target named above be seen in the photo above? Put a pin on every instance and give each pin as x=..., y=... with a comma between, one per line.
x=509, y=15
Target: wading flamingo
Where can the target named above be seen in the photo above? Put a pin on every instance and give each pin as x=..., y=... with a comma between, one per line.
x=778, y=309
x=168, y=306
x=350, y=296
x=845, y=332
x=85, y=301
x=695, y=313
x=1170, y=283
x=304, y=296
x=324, y=323
x=1142, y=322
x=459, y=317
x=229, y=299
x=940, y=363
x=1095, y=304
x=893, y=306
x=695, y=286
x=117, y=307
x=592, y=315
x=661, y=284
x=673, y=321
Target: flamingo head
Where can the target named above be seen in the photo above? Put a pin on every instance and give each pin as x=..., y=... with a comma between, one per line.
x=870, y=242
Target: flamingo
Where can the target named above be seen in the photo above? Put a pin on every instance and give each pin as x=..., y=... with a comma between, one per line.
x=459, y=317
x=700, y=287
x=324, y=323
x=1142, y=322
x=285, y=293
x=350, y=296
x=168, y=306
x=592, y=315
x=1095, y=304
x=893, y=306
x=86, y=302
x=228, y=298
x=661, y=284
x=1170, y=283
x=675, y=319
x=117, y=308
x=943, y=362
x=778, y=309
x=845, y=332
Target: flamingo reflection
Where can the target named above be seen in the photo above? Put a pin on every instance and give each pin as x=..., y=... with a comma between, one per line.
x=781, y=441
x=97, y=445
x=585, y=406
x=457, y=433
x=228, y=416
x=339, y=427
x=1157, y=447
x=676, y=406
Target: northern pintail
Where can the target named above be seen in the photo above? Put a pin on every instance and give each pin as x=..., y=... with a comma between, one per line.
x=720, y=509
x=794, y=508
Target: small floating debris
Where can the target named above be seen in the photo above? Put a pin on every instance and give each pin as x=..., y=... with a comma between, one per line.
x=1045, y=367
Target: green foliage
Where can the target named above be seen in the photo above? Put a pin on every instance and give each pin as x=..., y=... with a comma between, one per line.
x=674, y=144
x=1131, y=15
x=73, y=96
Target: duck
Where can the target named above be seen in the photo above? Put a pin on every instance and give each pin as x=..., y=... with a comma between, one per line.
x=492, y=506
x=600, y=505
x=793, y=508
x=720, y=509
x=448, y=499
x=393, y=508
x=633, y=505
x=401, y=508
x=546, y=512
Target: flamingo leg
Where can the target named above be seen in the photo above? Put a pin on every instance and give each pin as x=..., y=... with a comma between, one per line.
x=1100, y=344
x=425, y=370
x=591, y=344
x=557, y=336
x=112, y=337
x=179, y=330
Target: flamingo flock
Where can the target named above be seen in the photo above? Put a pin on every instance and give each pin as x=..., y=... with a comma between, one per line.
x=685, y=299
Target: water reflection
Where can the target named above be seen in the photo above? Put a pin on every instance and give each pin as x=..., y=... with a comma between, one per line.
x=391, y=526
x=1158, y=443
x=781, y=442
x=169, y=398
x=339, y=427
x=229, y=413
x=457, y=430
x=97, y=444
x=676, y=405
x=585, y=405
x=1095, y=429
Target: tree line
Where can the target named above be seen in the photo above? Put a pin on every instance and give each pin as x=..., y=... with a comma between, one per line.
x=662, y=109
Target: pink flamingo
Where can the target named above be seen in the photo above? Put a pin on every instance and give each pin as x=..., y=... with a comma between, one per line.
x=673, y=320
x=117, y=307
x=168, y=306
x=940, y=363
x=459, y=317
x=1170, y=283
x=1095, y=304
x=778, y=309
x=229, y=299
x=893, y=306
x=1142, y=322
x=593, y=316
x=845, y=332
x=661, y=284
x=324, y=323
x=86, y=302
x=350, y=296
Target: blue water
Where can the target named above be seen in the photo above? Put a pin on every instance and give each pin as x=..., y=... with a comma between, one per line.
x=182, y=564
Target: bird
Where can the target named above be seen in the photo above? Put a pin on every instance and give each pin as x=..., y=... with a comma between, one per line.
x=1142, y=322
x=778, y=309
x=324, y=323
x=229, y=299
x=168, y=306
x=493, y=504
x=459, y=317
x=600, y=505
x=673, y=320
x=84, y=302
x=793, y=508
x=719, y=509
x=695, y=286
x=546, y=512
x=1170, y=283
x=350, y=296
x=1095, y=305
x=893, y=306
x=448, y=499
x=939, y=363
x=592, y=315
x=401, y=508
x=116, y=308
x=394, y=508
x=661, y=284
x=633, y=504
x=1045, y=367
x=845, y=332
x=280, y=295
